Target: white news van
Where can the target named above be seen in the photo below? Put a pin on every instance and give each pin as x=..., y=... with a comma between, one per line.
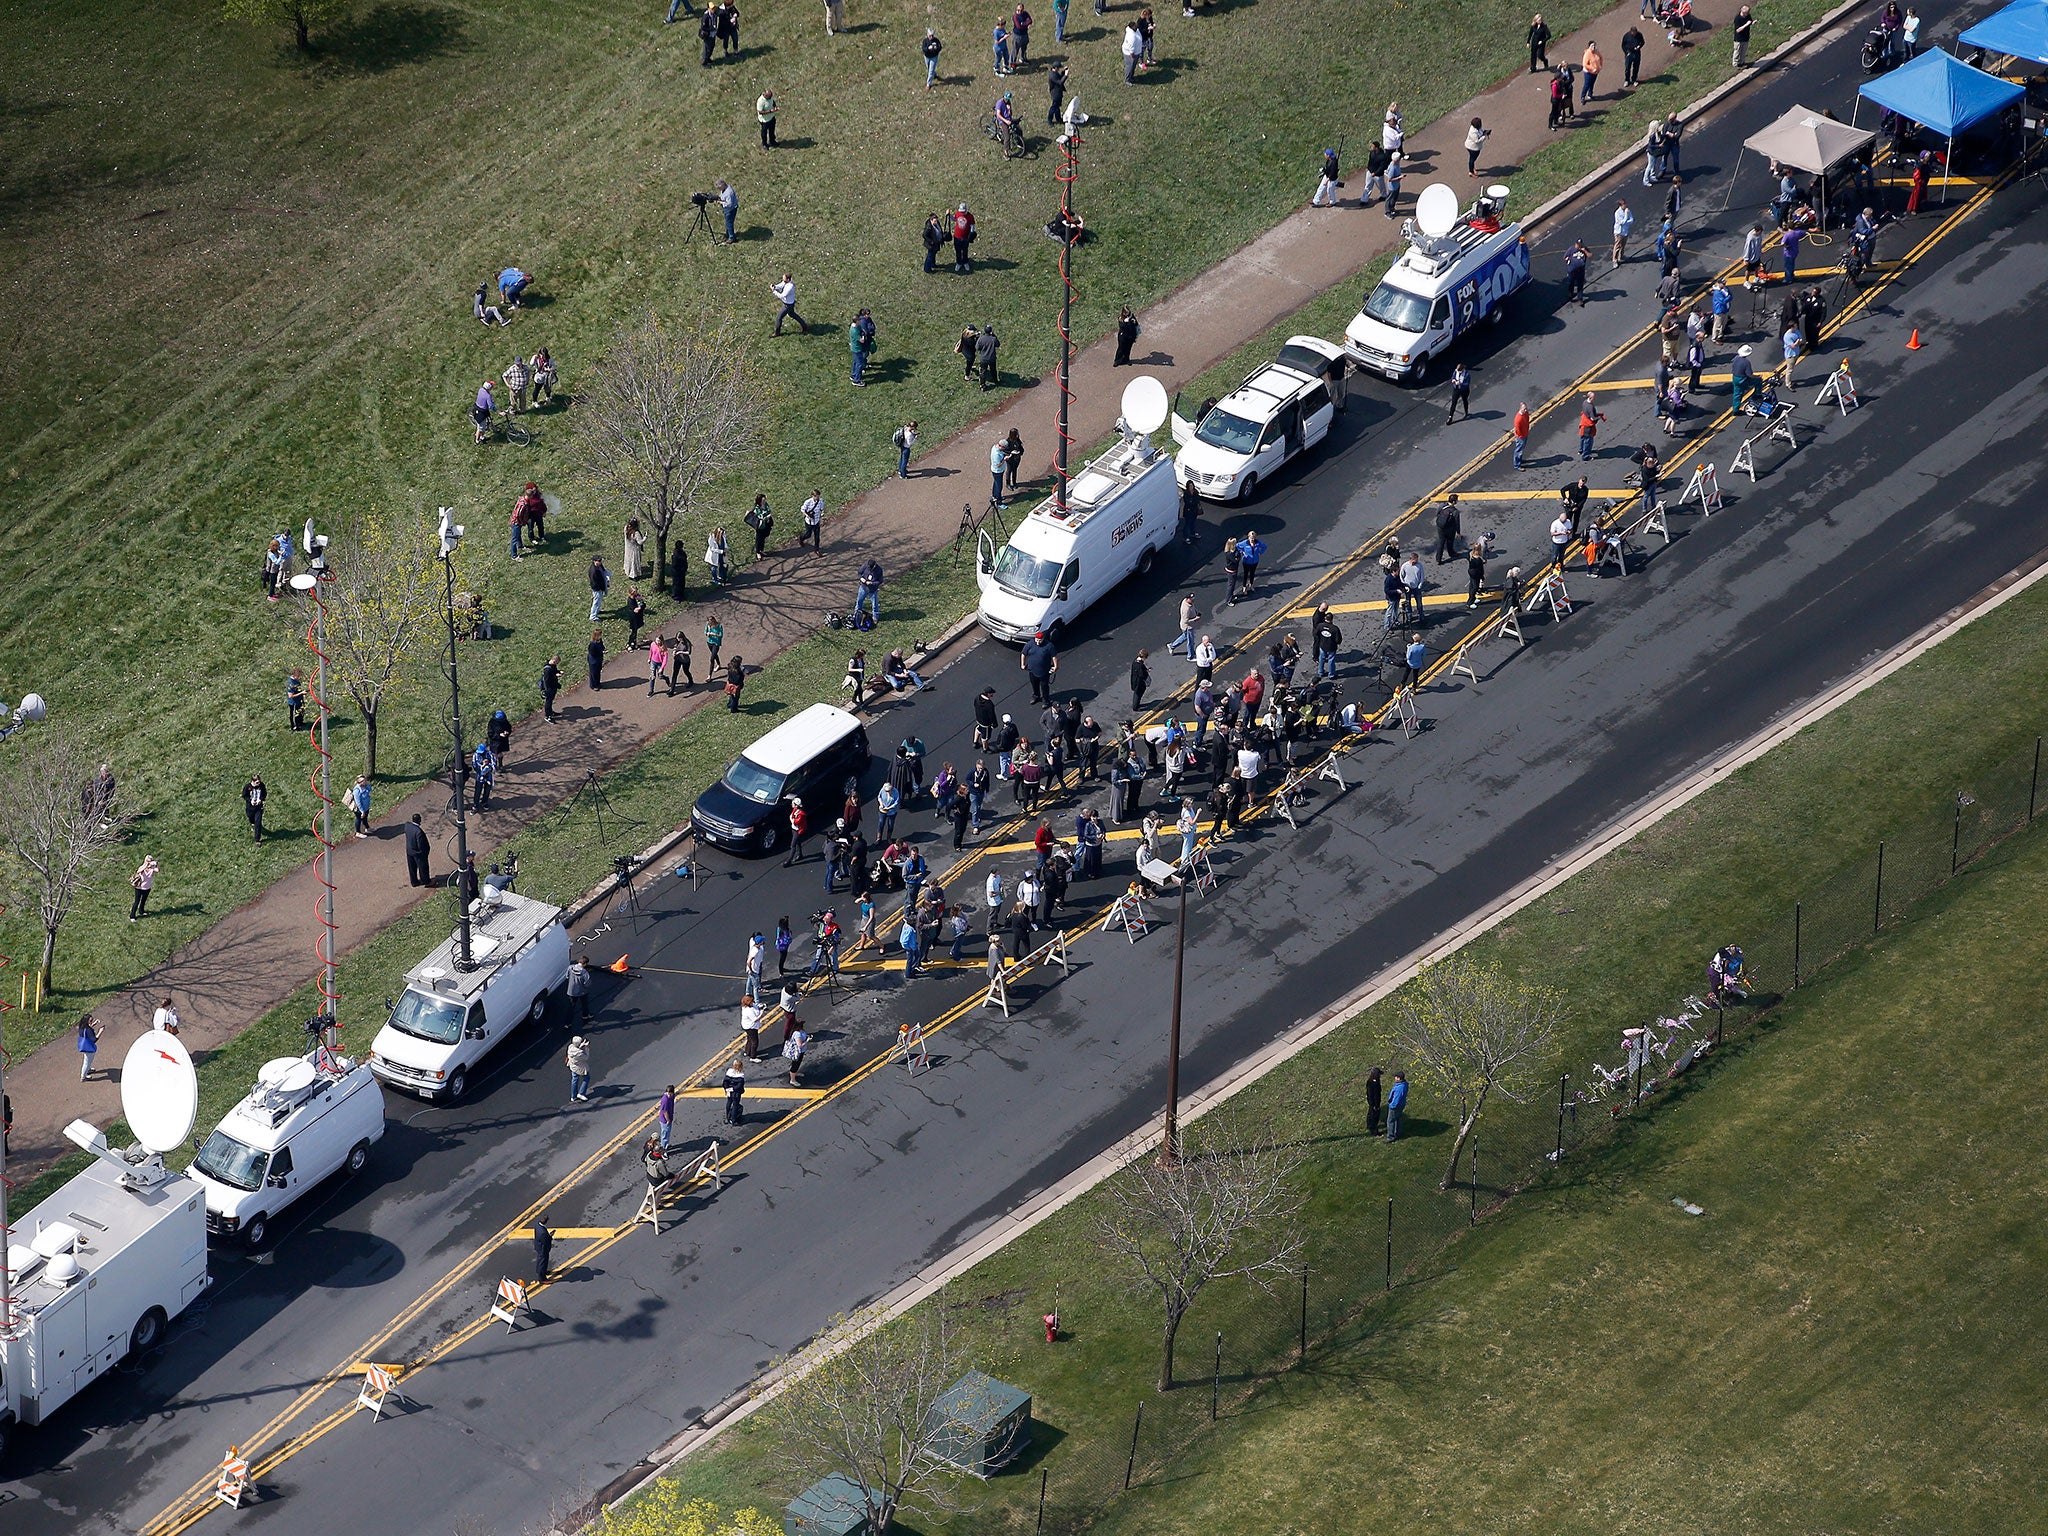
x=1459, y=269
x=100, y=1268
x=448, y=1018
x=1121, y=511
x=306, y=1118
x=1282, y=410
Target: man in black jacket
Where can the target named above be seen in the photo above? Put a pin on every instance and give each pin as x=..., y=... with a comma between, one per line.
x=1447, y=530
x=1328, y=638
x=985, y=356
x=1126, y=334
x=550, y=685
x=416, y=852
x=1141, y=678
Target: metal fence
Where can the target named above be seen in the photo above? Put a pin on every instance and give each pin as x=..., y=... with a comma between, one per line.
x=1316, y=1315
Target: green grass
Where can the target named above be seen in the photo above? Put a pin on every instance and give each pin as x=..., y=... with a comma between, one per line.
x=1754, y=1140
x=237, y=287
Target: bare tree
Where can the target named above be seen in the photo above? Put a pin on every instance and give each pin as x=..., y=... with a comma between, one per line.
x=672, y=407
x=299, y=15
x=59, y=818
x=1225, y=1212
x=382, y=600
x=1473, y=1031
x=874, y=1409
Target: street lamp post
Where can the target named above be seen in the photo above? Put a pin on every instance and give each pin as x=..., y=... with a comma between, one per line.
x=451, y=537
x=27, y=712
x=1169, y=1150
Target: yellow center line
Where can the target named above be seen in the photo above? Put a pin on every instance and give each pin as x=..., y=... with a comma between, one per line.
x=1534, y=491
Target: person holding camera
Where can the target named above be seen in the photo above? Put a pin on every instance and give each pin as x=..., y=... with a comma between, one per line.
x=764, y=114
x=931, y=63
x=728, y=203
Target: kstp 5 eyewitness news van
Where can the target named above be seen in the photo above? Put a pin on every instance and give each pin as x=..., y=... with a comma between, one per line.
x=1459, y=269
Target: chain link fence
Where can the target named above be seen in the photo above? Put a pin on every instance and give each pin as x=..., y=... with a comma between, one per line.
x=1242, y=1339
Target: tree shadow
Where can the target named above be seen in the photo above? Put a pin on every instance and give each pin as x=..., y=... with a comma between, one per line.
x=390, y=35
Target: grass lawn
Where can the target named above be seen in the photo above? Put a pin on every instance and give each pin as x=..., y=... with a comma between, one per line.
x=237, y=289
x=1543, y=1308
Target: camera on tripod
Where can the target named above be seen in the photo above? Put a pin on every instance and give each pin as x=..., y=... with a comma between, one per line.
x=624, y=865
x=701, y=199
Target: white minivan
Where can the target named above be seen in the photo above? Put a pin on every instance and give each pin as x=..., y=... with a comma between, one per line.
x=1282, y=410
x=1120, y=512
x=448, y=1019
x=308, y=1117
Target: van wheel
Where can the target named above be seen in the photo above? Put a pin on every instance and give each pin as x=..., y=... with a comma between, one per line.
x=148, y=1331
x=1056, y=632
x=1421, y=374
x=1249, y=489
x=255, y=1232
x=358, y=1158
x=458, y=1084
x=539, y=1010
x=1146, y=561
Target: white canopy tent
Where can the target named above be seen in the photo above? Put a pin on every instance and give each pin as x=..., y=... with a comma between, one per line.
x=1808, y=141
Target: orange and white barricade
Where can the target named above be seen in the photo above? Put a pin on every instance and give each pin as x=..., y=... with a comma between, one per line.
x=232, y=1485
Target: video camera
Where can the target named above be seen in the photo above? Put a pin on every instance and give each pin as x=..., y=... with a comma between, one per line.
x=624, y=865
x=701, y=199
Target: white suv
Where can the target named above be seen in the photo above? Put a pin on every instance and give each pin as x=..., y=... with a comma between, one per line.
x=1281, y=410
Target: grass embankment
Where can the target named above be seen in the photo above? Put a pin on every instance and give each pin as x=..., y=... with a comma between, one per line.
x=238, y=285
x=1591, y=1329
x=202, y=670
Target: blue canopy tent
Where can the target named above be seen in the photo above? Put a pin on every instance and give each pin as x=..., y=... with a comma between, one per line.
x=2021, y=30
x=1941, y=92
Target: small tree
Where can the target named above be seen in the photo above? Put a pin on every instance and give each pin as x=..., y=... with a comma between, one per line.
x=1473, y=1031
x=664, y=1511
x=870, y=1410
x=59, y=818
x=1222, y=1213
x=671, y=407
x=382, y=602
x=300, y=15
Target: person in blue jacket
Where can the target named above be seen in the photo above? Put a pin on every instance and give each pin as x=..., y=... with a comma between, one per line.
x=1397, y=1103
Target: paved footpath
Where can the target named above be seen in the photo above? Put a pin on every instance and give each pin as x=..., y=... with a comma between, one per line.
x=261, y=953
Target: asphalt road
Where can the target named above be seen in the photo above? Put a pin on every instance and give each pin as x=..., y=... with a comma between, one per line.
x=1875, y=525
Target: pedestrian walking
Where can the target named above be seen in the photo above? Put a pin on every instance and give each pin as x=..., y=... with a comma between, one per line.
x=1327, y=183
x=544, y=1249
x=1393, y=186
x=784, y=289
x=1397, y=1105
x=1539, y=45
x=1461, y=392
x=88, y=1046
x=253, y=794
x=1631, y=58
x=1183, y=642
x=1519, y=431
x=795, y=1042
x=577, y=1059
x=359, y=802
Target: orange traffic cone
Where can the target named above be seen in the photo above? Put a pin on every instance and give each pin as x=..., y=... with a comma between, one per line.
x=618, y=965
x=1913, y=345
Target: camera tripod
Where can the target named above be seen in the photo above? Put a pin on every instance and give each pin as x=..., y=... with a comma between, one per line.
x=972, y=523
x=702, y=223
x=590, y=796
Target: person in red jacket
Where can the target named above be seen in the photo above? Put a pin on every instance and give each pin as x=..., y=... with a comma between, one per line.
x=963, y=236
x=799, y=829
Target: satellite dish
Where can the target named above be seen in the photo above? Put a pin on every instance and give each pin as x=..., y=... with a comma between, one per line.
x=1145, y=404
x=1437, y=209
x=302, y=583
x=1497, y=193
x=159, y=1094
x=287, y=1074
x=32, y=707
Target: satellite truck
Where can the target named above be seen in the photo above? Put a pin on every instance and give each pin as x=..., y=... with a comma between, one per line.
x=96, y=1272
x=1458, y=269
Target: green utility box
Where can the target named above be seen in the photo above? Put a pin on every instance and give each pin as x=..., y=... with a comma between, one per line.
x=982, y=1424
x=832, y=1506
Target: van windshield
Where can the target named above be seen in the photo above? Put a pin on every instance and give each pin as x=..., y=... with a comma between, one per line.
x=1026, y=575
x=1233, y=434
x=433, y=1019
x=228, y=1161
x=750, y=781
x=1397, y=307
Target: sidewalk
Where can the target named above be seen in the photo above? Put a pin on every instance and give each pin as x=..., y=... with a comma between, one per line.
x=260, y=954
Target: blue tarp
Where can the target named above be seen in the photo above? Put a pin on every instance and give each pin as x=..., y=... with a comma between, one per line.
x=1941, y=93
x=2021, y=29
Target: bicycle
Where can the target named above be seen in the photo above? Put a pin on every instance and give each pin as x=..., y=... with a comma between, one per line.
x=1009, y=135
x=503, y=424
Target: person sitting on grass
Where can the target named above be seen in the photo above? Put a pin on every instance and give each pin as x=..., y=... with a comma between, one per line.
x=489, y=313
x=897, y=673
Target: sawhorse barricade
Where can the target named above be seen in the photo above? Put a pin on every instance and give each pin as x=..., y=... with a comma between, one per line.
x=1129, y=910
x=1198, y=868
x=380, y=1385
x=1705, y=488
x=510, y=1302
x=1461, y=660
x=1510, y=625
x=1840, y=388
x=1613, y=550
x=1403, y=706
x=1052, y=952
x=1656, y=521
x=705, y=1167
x=232, y=1485
x=1292, y=786
x=998, y=993
x=1551, y=591
x=910, y=1044
x=1780, y=428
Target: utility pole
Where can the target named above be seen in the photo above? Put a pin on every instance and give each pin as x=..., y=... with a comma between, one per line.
x=451, y=537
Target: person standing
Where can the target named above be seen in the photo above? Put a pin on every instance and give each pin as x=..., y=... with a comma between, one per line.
x=1325, y=194
x=1631, y=58
x=1461, y=392
x=1393, y=186
x=794, y=1044
x=593, y=657
x=1001, y=42
x=416, y=851
x=1372, y=1102
x=707, y=33
x=1624, y=226
x=1789, y=241
x=1519, y=431
x=1056, y=77
x=665, y=1116
x=762, y=521
x=1397, y=1105
x=1126, y=335
x=799, y=832
x=735, y=683
x=716, y=553
x=735, y=1084
x=785, y=295
x=1589, y=65
x=1590, y=417
x=1475, y=571
x=543, y=1249
x=813, y=514
x=1560, y=539
x=963, y=237
x=1141, y=679
x=1013, y=458
x=1575, y=261
x=577, y=1060
x=1020, y=37
x=764, y=114
x=1039, y=662
x=88, y=1046
x=1539, y=45
x=904, y=440
x=932, y=45
x=1740, y=29
x=1133, y=50
x=253, y=794
x=835, y=17
x=295, y=702
x=550, y=686
x=359, y=802
x=1475, y=141
x=600, y=583
x=728, y=199
x=579, y=988
x=995, y=472
x=1447, y=528
x=985, y=356
x=166, y=1018
x=657, y=663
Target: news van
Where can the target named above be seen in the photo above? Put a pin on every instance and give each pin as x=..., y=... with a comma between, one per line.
x=1121, y=510
x=308, y=1117
x=1458, y=270
x=1280, y=411
x=448, y=1019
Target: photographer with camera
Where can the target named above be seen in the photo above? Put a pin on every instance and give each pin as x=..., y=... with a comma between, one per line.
x=729, y=205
